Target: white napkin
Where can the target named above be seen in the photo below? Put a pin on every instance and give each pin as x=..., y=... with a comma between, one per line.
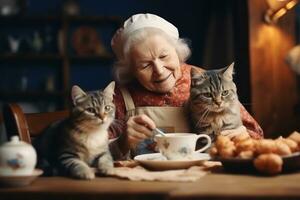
x=138, y=173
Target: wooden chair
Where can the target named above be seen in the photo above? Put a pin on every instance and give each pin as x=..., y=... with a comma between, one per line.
x=28, y=125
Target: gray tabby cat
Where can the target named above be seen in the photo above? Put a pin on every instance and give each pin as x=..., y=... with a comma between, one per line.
x=213, y=103
x=79, y=142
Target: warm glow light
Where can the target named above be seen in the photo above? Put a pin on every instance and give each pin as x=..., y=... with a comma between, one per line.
x=291, y=4
x=279, y=13
x=278, y=8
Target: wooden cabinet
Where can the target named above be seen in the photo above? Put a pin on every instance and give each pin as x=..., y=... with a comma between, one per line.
x=59, y=59
x=274, y=88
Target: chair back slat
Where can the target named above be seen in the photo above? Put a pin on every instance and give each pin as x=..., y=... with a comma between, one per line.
x=37, y=122
x=28, y=125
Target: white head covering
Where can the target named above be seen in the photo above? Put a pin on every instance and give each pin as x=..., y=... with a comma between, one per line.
x=140, y=21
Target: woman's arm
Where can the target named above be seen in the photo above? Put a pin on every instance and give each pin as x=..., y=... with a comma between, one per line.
x=249, y=122
x=127, y=132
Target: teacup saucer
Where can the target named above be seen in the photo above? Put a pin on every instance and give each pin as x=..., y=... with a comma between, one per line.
x=17, y=181
x=156, y=161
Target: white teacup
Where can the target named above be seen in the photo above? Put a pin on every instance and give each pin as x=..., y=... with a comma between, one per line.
x=17, y=158
x=180, y=146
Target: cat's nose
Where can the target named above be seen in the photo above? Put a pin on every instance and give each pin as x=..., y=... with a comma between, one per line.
x=218, y=103
x=102, y=116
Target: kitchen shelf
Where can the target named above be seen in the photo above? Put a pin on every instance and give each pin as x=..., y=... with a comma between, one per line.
x=29, y=95
x=29, y=57
x=63, y=58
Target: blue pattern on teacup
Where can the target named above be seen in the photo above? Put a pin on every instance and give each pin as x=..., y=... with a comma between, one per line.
x=183, y=150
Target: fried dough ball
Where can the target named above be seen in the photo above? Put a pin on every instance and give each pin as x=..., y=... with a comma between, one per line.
x=227, y=152
x=268, y=163
x=291, y=143
x=272, y=146
x=282, y=148
x=225, y=147
x=266, y=152
x=295, y=136
x=265, y=146
x=241, y=137
x=213, y=151
x=245, y=145
x=246, y=154
x=223, y=141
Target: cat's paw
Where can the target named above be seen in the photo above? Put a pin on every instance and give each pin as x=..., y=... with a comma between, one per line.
x=106, y=169
x=105, y=164
x=84, y=174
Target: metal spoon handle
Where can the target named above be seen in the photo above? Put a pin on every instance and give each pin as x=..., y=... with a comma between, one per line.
x=159, y=132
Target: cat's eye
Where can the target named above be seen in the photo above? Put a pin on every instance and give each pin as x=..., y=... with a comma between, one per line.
x=91, y=110
x=225, y=93
x=207, y=95
x=107, y=108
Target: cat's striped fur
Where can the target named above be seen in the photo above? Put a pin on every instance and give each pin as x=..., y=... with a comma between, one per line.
x=80, y=142
x=213, y=103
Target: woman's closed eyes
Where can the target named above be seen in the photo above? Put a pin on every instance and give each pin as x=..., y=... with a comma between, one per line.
x=145, y=66
x=163, y=57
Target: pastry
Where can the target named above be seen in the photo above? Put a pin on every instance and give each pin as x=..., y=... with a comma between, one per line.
x=268, y=163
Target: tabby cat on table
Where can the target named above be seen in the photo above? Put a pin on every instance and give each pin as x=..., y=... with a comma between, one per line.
x=213, y=104
x=74, y=146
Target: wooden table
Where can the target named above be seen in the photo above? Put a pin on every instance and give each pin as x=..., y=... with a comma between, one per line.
x=212, y=186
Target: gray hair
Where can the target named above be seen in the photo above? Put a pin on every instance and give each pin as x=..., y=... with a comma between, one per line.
x=122, y=67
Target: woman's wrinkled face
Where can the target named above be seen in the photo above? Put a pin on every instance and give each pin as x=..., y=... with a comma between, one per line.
x=156, y=64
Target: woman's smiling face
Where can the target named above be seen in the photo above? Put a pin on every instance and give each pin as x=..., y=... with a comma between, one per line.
x=156, y=64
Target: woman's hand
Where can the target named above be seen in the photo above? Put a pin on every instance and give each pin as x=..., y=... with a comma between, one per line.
x=139, y=127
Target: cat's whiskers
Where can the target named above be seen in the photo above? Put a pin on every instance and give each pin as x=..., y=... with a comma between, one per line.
x=203, y=116
x=214, y=113
x=81, y=140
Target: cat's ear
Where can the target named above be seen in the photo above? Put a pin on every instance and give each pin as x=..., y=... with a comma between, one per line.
x=109, y=90
x=197, y=76
x=228, y=72
x=196, y=71
x=77, y=94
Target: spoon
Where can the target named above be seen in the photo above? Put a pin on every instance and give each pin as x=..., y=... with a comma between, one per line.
x=159, y=132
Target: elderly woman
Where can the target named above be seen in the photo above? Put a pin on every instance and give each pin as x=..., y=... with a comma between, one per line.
x=154, y=83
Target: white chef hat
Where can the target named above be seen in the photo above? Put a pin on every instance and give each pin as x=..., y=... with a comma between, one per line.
x=139, y=21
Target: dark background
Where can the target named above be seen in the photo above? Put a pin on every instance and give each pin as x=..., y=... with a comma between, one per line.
x=220, y=32
x=209, y=25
